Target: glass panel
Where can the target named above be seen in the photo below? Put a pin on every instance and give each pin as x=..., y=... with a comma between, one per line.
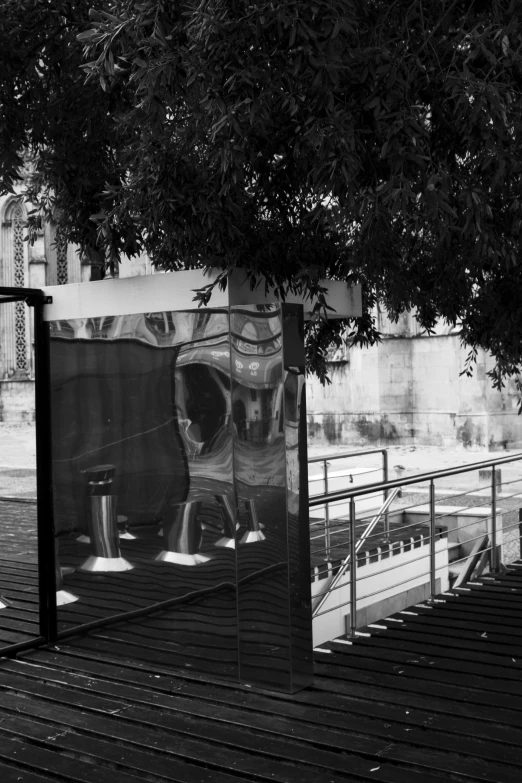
x=19, y=556
x=143, y=492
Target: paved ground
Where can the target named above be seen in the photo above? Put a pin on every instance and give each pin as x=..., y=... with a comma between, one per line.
x=18, y=477
x=18, y=460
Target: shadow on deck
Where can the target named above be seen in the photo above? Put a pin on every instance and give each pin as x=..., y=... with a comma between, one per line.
x=431, y=694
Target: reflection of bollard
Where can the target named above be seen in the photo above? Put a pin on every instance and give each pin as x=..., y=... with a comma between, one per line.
x=227, y=516
x=253, y=533
x=104, y=537
x=123, y=528
x=63, y=596
x=123, y=531
x=182, y=536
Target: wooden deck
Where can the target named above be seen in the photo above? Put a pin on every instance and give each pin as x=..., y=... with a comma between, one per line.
x=431, y=694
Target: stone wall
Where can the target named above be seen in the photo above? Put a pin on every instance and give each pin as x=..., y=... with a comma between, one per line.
x=408, y=390
x=17, y=401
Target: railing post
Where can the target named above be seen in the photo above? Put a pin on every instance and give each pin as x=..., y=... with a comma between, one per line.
x=326, y=515
x=385, y=476
x=353, y=571
x=493, y=559
x=432, y=539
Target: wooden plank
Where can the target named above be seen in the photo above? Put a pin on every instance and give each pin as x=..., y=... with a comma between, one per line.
x=234, y=751
x=118, y=756
x=483, y=642
x=12, y=774
x=332, y=709
x=432, y=621
x=477, y=643
x=268, y=739
x=488, y=604
x=378, y=688
x=36, y=760
x=189, y=704
x=149, y=655
x=423, y=655
x=507, y=595
x=489, y=677
x=469, y=613
x=432, y=679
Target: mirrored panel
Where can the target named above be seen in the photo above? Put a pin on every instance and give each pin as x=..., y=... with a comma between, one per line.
x=295, y=429
x=264, y=541
x=145, y=517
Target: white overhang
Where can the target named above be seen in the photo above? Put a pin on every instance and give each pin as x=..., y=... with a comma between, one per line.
x=176, y=291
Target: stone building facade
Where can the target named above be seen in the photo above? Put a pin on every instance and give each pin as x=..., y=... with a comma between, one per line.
x=32, y=266
x=408, y=390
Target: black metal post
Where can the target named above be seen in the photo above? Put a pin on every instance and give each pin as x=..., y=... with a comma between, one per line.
x=493, y=561
x=387, y=514
x=353, y=572
x=44, y=487
x=432, y=539
x=326, y=516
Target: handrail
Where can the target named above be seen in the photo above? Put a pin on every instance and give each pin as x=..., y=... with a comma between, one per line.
x=346, y=454
x=489, y=547
x=344, y=565
x=325, y=460
x=367, y=489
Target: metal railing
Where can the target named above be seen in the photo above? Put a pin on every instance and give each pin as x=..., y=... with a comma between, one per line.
x=355, y=547
x=351, y=495
x=326, y=460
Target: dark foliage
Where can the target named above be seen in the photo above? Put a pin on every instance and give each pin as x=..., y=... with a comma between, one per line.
x=373, y=141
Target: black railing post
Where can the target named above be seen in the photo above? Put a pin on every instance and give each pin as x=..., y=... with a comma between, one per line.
x=44, y=491
x=326, y=515
x=432, y=540
x=387, y=514
x=353, y=571
x=493, y=560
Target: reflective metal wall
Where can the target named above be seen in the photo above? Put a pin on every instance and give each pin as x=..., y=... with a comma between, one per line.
x=179, y=505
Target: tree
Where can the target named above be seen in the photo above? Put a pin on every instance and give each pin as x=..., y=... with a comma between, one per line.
x=377, y=141
x=56, y=129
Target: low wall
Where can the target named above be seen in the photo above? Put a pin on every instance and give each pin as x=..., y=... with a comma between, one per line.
x=385, y=584
x=408, y=389
x=17, y=401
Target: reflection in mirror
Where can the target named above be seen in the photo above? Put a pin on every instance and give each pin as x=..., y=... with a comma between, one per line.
x=268, y=508
x=143, y=492
x=180, y=504
x=295, y=430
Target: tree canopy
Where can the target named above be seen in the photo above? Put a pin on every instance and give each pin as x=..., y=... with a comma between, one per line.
x=376, y=141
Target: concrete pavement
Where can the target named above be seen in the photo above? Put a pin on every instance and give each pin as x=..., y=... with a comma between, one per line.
x=18, y=461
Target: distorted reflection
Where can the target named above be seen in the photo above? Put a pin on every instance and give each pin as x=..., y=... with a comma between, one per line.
x=267, y=426
x=143, y=492
x=177, y=446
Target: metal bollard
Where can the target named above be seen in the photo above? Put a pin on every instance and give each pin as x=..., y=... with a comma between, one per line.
x=63, y=596
x=254, y=533
x=104, y=536
x=182, y=536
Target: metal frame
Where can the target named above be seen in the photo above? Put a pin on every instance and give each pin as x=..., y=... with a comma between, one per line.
x=36, y=299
